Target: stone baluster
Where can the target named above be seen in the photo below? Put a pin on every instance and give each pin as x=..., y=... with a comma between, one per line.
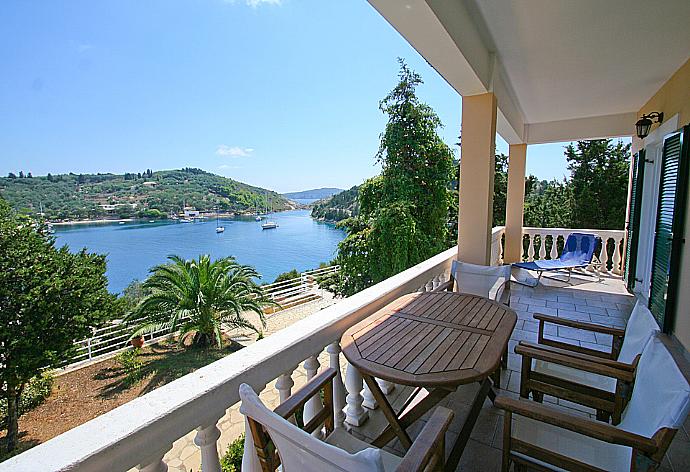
x=369, y=400
x=530, y=248
x=604, y=255
x=207, y=440
x=284, y=385
x=386, y=386
x=333, y=350
x=355, y=415
x=155, y=463
x=618, y=243
x=313, y=405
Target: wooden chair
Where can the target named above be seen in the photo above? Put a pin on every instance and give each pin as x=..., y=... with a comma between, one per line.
x=486, y=281
x=492, y=282
x=273, y=440
x=546, y=438
x=596, y=379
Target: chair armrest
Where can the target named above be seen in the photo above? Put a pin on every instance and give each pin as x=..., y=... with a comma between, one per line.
x=447, y=285
x=595, y=367
x=574, y=354
x=578, y=424
x=300, y=397
x=427, y=443
x=579, y=325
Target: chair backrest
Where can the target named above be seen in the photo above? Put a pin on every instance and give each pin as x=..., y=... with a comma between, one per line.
x=298, y=450
x=485, y=281
x=661, y=395
x=579, y=248
x=640, y=328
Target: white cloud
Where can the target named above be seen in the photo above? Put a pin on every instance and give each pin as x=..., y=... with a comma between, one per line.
x=233, y=151
x=227, y=166
x=256, y=3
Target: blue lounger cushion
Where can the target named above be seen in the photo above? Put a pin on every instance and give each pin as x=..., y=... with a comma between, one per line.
x=578, y=252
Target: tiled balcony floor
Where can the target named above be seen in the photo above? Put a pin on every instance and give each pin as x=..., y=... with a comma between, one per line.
x=586, y=300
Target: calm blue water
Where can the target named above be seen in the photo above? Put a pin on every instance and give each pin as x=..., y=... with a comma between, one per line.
x=133, y=248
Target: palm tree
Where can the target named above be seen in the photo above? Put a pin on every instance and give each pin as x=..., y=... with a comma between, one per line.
x=199, y=297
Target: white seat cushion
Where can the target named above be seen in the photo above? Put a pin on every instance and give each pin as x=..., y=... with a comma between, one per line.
x=611, y=457
x=345, y=441
x=601, y=382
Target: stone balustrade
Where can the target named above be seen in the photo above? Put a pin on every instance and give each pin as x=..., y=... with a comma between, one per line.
x=138, y=434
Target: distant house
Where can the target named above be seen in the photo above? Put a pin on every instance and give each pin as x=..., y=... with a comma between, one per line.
x=191, y=212
x=150, y=184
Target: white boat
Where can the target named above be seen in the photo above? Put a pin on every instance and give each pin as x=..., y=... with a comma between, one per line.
x=219, y=228
x=185, y=220
x=269, y=225
x=258, y=218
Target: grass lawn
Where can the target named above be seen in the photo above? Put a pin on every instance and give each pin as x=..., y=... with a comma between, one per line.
x=84, y=394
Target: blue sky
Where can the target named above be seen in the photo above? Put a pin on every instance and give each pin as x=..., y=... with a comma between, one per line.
x=281, y=94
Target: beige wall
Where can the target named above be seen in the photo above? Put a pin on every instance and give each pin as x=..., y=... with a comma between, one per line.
x=477, y=178
x=671, y=99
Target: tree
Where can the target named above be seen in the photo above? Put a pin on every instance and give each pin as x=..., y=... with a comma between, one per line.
x=599, y=181
x=403, y=211
x=21, y=174
x=11, y=175
x=500, y=189
x=48, y=298
x=285, y=276
x=198, y=297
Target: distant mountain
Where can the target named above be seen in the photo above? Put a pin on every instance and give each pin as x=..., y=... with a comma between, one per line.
x=316, y=194
x=147, y=194
x=338, y=207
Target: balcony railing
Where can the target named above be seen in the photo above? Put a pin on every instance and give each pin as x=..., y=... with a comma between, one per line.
x=139, y=433
x=538, y=244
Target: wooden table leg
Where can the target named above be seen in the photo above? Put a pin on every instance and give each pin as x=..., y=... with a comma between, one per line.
x=416, y=412
x=388, y=411
x=467, y=427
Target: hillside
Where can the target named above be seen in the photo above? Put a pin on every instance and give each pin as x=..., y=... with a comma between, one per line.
x=148, y=194
x=317, y=193
x=338, y=207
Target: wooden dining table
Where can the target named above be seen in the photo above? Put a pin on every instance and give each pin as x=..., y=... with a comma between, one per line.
x=434, y=341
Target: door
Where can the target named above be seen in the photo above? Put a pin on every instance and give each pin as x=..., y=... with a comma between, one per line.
x=633, y=223
x=668, y=237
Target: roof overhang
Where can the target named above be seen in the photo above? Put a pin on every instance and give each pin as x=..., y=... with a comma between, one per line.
x=560, y=70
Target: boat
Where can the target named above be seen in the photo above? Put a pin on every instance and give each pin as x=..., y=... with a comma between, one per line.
x=121, y=223
x=258, y=218
x=219, y=228
x=186, y=220
x=269, y=224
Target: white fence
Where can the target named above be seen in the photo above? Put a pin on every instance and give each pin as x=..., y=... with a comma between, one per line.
x=547, y=243
x=289, y=293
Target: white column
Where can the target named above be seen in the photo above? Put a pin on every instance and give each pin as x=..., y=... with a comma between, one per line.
x=369, y=400
x=477, y=178
x=515, y=202
x=155, y=463
x=333, y=350
x=313, y=405
x=355, y=415
x=207, y=440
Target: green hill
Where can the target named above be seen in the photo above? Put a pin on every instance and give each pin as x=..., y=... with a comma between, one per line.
x=148, y=194
x=338, y=207
x=317, y=193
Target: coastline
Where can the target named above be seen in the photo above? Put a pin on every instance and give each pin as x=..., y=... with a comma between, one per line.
x=94, y=222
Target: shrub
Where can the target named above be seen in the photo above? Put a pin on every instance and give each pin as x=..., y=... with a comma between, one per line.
x=35, y=393
x=131, y=364
x=232, y=459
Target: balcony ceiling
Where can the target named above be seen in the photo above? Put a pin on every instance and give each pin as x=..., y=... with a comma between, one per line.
x=561, y=69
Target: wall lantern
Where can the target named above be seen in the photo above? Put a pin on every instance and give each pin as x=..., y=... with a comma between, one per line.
x=645, y=123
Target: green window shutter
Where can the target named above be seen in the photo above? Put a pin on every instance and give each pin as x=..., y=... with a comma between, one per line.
x=669, y=227
x=633, y=225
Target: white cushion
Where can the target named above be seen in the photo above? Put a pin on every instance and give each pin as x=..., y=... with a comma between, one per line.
x=640, y=328
x=611, y=457
x=661, y=395
x=343, y=440
x=485, y=281
x=577, y=376
x=300, y=451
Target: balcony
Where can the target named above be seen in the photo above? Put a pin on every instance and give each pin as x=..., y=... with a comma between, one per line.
x=184, y=425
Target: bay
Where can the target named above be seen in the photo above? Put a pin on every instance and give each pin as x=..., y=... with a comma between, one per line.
x=134, y=247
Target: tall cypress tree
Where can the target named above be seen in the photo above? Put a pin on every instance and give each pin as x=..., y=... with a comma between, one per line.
x=403, y=211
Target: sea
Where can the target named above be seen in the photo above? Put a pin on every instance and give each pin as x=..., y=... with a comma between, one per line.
x=133, y=248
